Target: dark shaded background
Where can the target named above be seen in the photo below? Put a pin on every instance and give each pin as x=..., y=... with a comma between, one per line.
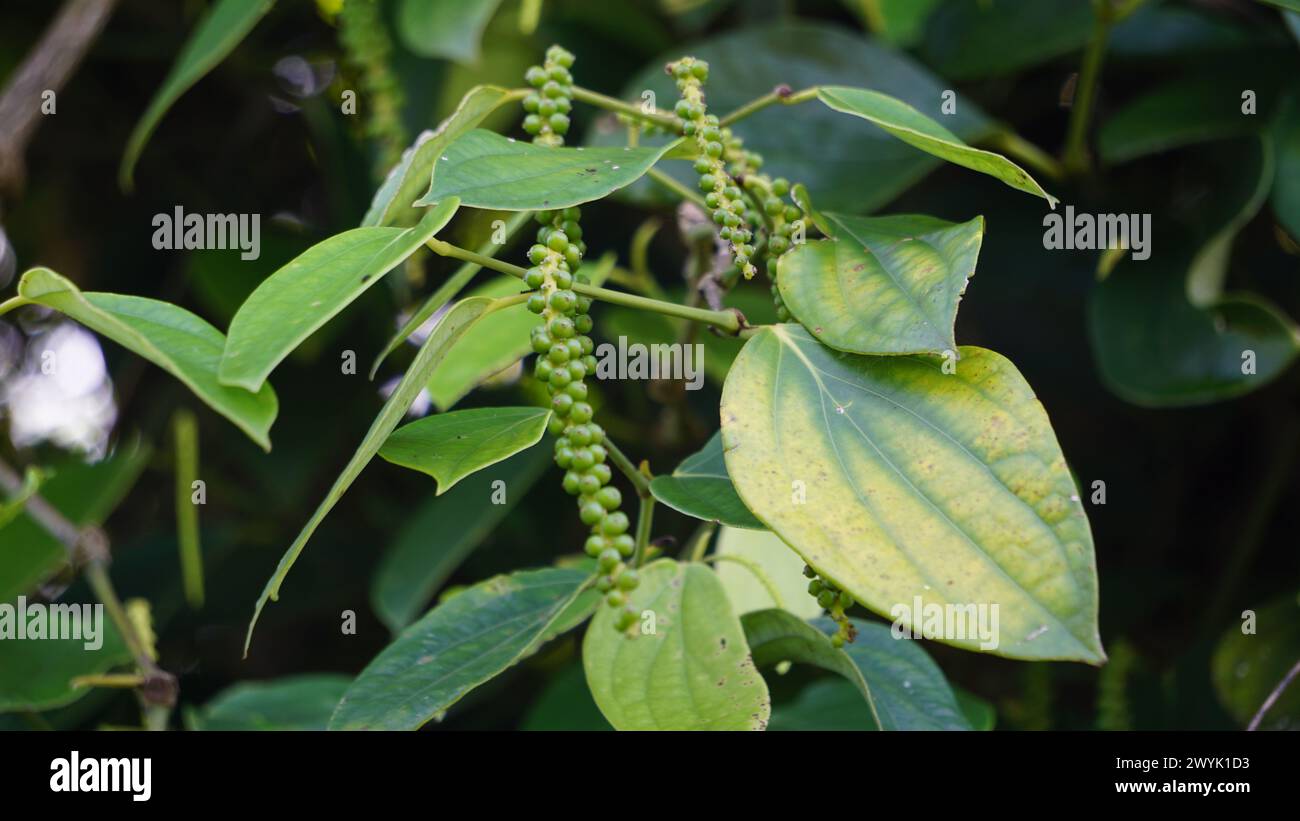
x=1201, y=515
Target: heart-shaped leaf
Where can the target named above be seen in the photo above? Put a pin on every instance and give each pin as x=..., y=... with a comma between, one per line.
x=902, y=687
x=882, y=285
x=914, y=128
x=451, y=446
x=850, y=165
x=409, y=179
x=169, y=336
x=759, y=572
x=899, y=477
x=302, y=296
x=700, y=487
x=215, y=36
x=451, y=327
x=290, y=703
x=485, y=170
x=685, y=667
x=467, y=640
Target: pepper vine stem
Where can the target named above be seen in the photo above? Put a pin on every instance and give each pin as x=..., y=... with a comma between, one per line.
x=644, y=520
x=729, y=321
x=780, y=94
x=1106, y=14
x=13, y=302
x=676, y=187
x=640, y=480
x=657, y=116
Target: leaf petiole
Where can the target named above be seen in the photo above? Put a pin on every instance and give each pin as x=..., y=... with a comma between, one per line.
x=780, y=94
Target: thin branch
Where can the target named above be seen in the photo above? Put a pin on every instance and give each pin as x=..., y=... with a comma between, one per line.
x=1274, y=696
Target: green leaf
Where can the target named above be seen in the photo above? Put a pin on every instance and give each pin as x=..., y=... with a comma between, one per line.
x=1155, y=349
x=914, y=128
x=1289, y=5
x=460, y=644
x=215, y=36
x=1180, y=113
x=851, y=166
x=781, y=583
x=1237, y=200
x=445, y=28
x=896, y=480
x=302, y=296
x=828, y=704
x=1286, y=178
x=487, y=170
x=1247, y=667
x=302, y=702
x=451, y=446
x=700, y=487
x=409, y=179
x=442, y=533
x=37, y=674
x=452, y=326
x=979, y=713
x=565, y=704
x=900, y=23
x=969, y=39
x=171, y=337
x=901, y=687
x=85, y=493
x=686, y=667
x=882, y=285
x=496, y=343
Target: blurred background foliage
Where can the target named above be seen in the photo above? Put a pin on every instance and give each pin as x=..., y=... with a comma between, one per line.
x=1139, y=369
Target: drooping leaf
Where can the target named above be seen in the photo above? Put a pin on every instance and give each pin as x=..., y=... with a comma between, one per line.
x=171, y=337
x=302, y=296
x=444, y=28
x=451, y=446
x=460, y=644
x=900, y=687
x=37, y=674
x=442, y=533
x=409, y=179
x=486, y=170
x=969, y=39
x=1180, y=113
x=215, y=36
x=896, y=480
x=85, y=494
x=685, y=666
x=782, y=583
x=700, y=487
x=1155, y=349
x=852, y=166
x=462, y=316
x=916, y=129
x=302, y=702
x=882, y=285
x=1247, y=667
x=1237, y=201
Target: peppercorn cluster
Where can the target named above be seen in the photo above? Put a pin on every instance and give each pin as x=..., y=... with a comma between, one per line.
x=549, y=105
x=564, y=360
x=834, y=601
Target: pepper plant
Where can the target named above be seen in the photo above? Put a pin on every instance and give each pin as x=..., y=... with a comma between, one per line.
x=895, y=466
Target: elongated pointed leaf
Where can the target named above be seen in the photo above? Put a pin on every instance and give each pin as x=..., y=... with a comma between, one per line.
x=684, y=667
x=438, y=537
x=460, y=644
x=445, y=28
x=914, y=128
x=897, y=480
x=882, y=285
x=171, y=337
x=461, y=317
x=409, y=179
x=451, y=446
x=215, y=36
x=486, y=170
x=700, y=487
x=302, y=296
x=291, y=703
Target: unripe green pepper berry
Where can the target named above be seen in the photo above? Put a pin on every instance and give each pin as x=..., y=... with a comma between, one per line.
x=560, y=327
x=544, y=370
x=570, y=483
x=601, y=472
x=815, y=587
x=591, y=513
x=608, y=559
x=562, y=404
x=625, y=620
x=826, y=600
x=589, y=485
x=581, y=410
x=615, y=598
x=614, y=524
x=609, y=497
x=626, y=546
x=536, y=303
